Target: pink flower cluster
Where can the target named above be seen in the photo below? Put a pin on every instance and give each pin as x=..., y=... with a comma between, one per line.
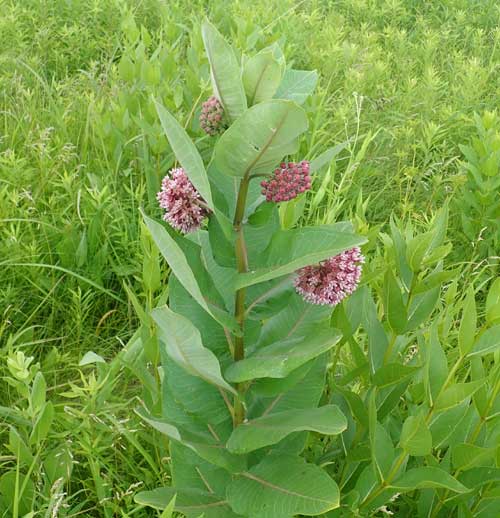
x=185, y=209
x=329, y=282
x=212, y=117
x=287, y=182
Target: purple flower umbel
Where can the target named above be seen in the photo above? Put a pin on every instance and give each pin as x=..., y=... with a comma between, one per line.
x=329, y=282
x=184, y=208
x=212, y=117
x=288, y=181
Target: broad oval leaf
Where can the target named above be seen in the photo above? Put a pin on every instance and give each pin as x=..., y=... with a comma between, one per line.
x=225, y=72
x=262, y=76
x=428, y=477
x=297, y=85
x=190, y=502
x=184, y=346
x=259, y=139
x=281, y=358
x=186, y=153
x=283, y=485
x=488, y=342
x=270, y=429
x=290, y=250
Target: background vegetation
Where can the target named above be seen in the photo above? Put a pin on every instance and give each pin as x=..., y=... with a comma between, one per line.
x=81, y=150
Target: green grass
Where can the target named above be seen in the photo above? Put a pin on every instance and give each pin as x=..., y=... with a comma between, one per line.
x=81, y=151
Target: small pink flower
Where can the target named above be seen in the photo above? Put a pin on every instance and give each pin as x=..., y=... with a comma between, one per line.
x=329, y=282
x=287, y=182
x=212, y=117
x=185, y=208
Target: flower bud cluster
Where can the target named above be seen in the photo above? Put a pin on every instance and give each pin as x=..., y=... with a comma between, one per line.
x=287, y=182
x=212, y=117
x=184, y=208
x=329, y=282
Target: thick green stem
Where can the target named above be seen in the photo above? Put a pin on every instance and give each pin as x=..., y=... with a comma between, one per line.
x=239, y=305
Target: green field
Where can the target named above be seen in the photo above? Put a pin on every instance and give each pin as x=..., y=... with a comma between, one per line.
x=407, y=88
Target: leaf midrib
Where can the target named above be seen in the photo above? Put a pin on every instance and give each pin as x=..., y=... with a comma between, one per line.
x=282, y=489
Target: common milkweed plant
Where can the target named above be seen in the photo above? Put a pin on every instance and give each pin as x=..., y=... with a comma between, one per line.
x=247, y=334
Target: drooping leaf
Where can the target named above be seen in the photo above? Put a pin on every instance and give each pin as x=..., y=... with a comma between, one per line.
x=176, y=259
x=416, y=438
x=297, y=85
x=467, y=329
x=281, y=358
x=488, y=342
x=259, y=139
x=183, y=343
x=290, y=250
x=190, y=502
x=283, y=485
x=186, y=153
x=428, y=477
x=269, y=429
x=225, y=72
x=262, y=76
x=205, y=445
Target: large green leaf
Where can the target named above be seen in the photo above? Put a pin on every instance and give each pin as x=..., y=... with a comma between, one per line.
x=281, y=358
x=186, y=153
x=297, y=319
x=204, y=445
x=190, y=502
x=270, y=429
x=297, y=85
x=177, y=261
x=184, y=346
x=428, y=477
x=488, y=342
x=290, y=250
x=493, y=303
x=259, y=139
x=225, y=72
x=283, y=485
x=262, y=76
